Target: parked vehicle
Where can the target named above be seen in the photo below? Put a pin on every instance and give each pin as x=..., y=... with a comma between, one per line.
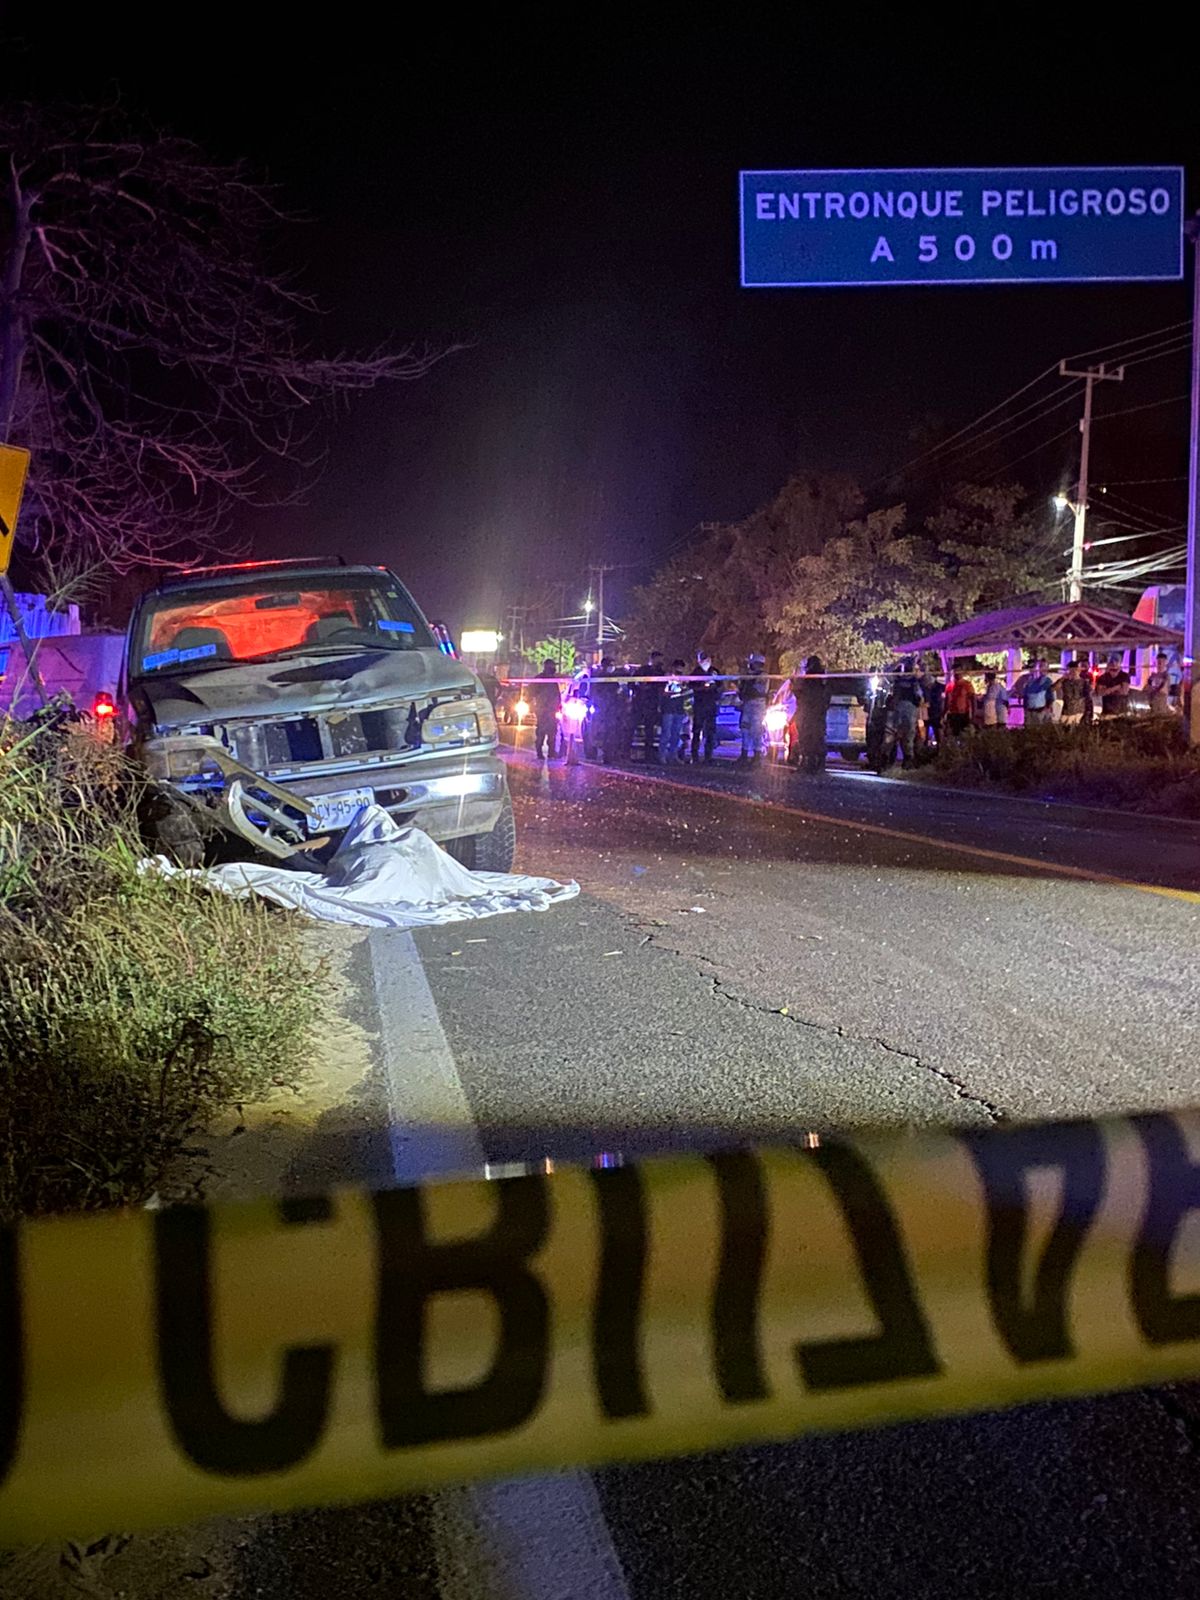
x=845, y=720
x=273, y=700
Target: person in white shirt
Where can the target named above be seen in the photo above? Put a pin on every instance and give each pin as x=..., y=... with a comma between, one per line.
x=993, y=702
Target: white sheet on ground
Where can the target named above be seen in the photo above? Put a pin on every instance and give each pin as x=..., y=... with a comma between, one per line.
x=382, y=876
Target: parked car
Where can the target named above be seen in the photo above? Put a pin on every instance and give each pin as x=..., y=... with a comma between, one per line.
x=845, y=720
x=273, y=700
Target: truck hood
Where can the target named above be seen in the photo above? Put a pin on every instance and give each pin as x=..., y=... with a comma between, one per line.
x=302, y=684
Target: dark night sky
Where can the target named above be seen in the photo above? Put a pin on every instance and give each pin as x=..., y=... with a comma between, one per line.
x=566, y=203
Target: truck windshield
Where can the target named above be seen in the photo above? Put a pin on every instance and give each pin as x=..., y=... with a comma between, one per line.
x=268, y=616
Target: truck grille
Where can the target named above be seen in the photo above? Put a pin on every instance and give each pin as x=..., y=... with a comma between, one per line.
x=341, y=736
x=293, y=741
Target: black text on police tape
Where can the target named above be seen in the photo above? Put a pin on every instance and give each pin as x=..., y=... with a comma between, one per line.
x=501, y=1263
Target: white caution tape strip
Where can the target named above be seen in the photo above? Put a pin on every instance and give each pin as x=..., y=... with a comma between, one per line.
x=160, y=1366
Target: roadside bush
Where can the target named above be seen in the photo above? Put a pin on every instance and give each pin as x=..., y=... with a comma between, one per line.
x=1135, y=764
x=131, y=1006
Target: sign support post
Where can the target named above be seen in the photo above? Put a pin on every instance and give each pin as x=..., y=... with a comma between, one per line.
x=1191, y=617
x=14, y=464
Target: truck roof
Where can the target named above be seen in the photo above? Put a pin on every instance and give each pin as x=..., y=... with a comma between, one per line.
x=239, y=572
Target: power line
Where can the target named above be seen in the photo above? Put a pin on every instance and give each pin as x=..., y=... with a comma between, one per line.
x=1044, y=445
x=1130, y=508
x=971, y=426
x=1155, y=333
x=1176, y=347
x=1101, y=416
x=1047, y=407
x=1042, y=408
x=1147, y=353
x=1138, y=483
x=1129, y=538
x=1127, y=411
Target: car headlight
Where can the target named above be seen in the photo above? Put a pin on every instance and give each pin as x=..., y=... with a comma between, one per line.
x=776, y=719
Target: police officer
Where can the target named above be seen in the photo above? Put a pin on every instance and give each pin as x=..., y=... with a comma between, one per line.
x=752, y=693
x=605, y=712
x=546, y=699
x=706, y=698
x=646, y=697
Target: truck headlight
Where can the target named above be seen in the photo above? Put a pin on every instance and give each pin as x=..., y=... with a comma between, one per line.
x=486, y=714
x=461, y=721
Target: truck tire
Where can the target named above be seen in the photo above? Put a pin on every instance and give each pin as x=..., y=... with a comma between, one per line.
x=171, y=828
x=488, y=852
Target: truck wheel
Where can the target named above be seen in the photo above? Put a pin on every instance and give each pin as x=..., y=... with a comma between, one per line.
x=171, y=828
x=488, y=852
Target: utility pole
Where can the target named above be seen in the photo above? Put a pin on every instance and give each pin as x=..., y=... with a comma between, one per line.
x=598, y=572
x=1191, y=615
x=1079, y=505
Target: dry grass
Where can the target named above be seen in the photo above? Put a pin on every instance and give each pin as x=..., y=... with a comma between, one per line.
x=130, y=1006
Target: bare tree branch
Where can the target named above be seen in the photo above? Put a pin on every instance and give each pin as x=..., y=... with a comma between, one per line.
x=150, y=356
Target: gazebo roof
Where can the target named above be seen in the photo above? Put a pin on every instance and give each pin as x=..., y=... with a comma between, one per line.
x=1069, y=624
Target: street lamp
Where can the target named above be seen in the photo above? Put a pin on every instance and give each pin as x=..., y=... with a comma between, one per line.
x=1060, y=502
x=589, y=605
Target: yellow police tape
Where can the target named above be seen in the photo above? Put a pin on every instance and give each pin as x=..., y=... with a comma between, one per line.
x=156, y=1367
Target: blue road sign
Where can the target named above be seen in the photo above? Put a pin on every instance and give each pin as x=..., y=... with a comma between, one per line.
x=971, y=225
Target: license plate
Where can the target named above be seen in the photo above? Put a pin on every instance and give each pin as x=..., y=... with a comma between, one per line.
x=332, y=811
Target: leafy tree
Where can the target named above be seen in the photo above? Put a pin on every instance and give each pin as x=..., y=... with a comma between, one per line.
x=150, y=356
x=560, y=651
x=887, y=579
x=993, y=550
x=843, y=600
x=720, y=593
x=810, y=572
x=674, y=612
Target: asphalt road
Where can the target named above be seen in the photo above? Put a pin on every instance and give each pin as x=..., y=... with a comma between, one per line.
x=759, y=953
x=754, y=955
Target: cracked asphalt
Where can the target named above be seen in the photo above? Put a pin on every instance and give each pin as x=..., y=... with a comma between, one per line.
x=736, y=971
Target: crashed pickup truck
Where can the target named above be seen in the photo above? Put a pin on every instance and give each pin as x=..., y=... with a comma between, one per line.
x=271, y=701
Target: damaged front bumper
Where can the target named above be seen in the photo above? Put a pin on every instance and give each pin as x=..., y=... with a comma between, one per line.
x=448, y=796
x=235, y=797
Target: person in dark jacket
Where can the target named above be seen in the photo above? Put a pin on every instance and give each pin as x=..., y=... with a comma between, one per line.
x=813, y=695
x=908, y=698
x=1074, y=689
x=546, y=700
x=605, y=694
x=934, y=691
x=706, y=698
x=752, y=694
x=674, y=706
x=646, y=697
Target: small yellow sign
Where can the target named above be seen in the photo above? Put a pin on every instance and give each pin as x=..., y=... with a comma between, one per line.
x=14, y=464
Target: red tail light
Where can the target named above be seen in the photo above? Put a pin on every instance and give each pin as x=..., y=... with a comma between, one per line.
x=103, y=706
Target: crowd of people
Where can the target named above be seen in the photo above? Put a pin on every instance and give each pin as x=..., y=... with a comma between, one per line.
x=669, y=713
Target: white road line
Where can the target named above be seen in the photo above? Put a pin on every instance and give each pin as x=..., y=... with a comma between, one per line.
x=529, y=1539
x=430, y=1125
x=532, y=1538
